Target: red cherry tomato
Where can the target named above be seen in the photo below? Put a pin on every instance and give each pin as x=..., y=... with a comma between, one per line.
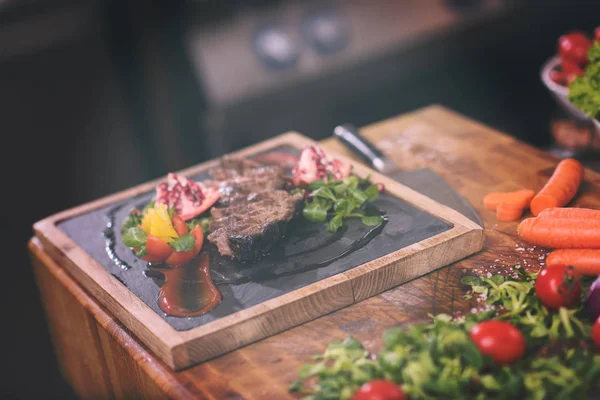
x=179, y=225
x=596, y=332
x=379, y=389
x=574, y=46
x=500, y=340
x=558, y=77
x=569, y=67
x=148, y=257
x=157, y=249
x=558, y=286
x=597, y=34
x=198, y=234
x=180, y=257
x=151, y=259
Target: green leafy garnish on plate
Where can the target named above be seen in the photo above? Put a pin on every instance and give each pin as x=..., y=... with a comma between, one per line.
x=336, y=200
x=204, y=222
x=134, y=237
x=183, y=243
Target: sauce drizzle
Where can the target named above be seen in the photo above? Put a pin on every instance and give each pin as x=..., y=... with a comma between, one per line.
x=188, y=290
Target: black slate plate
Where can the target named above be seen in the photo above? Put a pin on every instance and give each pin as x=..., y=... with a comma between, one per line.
x=308, y=254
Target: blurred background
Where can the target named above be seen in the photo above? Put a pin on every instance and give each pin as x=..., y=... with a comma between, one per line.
x=98, y=96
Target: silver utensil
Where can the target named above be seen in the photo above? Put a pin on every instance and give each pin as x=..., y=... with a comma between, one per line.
x=423, y=180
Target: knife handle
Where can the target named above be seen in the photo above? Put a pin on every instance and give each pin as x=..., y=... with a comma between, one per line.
x=350, y=136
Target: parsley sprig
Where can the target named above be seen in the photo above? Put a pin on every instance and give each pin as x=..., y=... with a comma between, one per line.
x=438, y=359
x=336, y=200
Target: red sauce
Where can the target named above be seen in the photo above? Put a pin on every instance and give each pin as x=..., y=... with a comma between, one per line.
x=188, y=290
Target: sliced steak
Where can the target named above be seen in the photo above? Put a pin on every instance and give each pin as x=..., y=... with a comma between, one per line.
x=233, y=167
x=249, y=228
x=240, y=178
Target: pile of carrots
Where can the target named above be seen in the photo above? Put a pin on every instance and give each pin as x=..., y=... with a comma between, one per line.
x=574, y=233
x=558, y=191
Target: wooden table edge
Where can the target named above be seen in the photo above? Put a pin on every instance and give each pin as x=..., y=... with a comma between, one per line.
x=155, y=369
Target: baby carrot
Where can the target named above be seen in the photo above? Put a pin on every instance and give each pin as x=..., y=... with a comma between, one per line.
x=560, y=188
x=586, y=261
x=519, y=198
x=561, y=233
x=508, y=212
x=569, y=213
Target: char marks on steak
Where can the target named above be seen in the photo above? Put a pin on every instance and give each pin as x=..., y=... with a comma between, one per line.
x=240, y=178
x=254, y=212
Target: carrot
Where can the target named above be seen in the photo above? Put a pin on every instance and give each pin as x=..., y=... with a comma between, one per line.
x=569, y=213
x=561, y=233
x=586, y=261
x=508, y=212
x=560, y=188
x=519, y=198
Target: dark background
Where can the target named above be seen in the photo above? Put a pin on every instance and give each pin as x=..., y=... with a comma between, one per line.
x=97, y=96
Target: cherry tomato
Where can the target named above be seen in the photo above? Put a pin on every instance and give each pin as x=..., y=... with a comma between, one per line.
x=179, y=225
x=379, y=389
x=148, y=257
x=597, y=34
x=570, y=70
x=574, y=46
x=154, y=260
x=180, y=257
x=596, y=332
x=558, y=77
x=558, y=286
x=500, y=340
x=569, y=67
x=198, y=234
x=157, y=249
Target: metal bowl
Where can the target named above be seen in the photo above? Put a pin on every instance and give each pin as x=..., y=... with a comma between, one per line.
x=560, y=94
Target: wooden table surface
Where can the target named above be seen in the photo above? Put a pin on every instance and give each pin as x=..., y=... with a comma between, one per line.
x=100, y=359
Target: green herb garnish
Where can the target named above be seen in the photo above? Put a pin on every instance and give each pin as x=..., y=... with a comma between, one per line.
x=183, y=243
x=133, y=220
x=141, y=252
x=134, y=237
x=203, y=222
x=336, y=200
x=584, y=91
x=135, y=217
x=439, y=361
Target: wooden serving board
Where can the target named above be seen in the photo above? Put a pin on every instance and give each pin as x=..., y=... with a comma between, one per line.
x=182, y=348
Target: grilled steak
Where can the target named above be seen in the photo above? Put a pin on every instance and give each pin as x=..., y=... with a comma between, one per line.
x=241, y=178
x=254, y=211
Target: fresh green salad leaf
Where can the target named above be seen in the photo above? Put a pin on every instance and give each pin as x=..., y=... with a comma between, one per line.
x=372, y=192
x=134, y=237
x=135, y=217
x=438, y=360
x=141, y=252
x=335, y=223
x=133, y=220
x=371, y=220
x=183, y=243
x=203, y=222
x=584, y=91
x=316, y=211
x=334, y=200
x=324, y=192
